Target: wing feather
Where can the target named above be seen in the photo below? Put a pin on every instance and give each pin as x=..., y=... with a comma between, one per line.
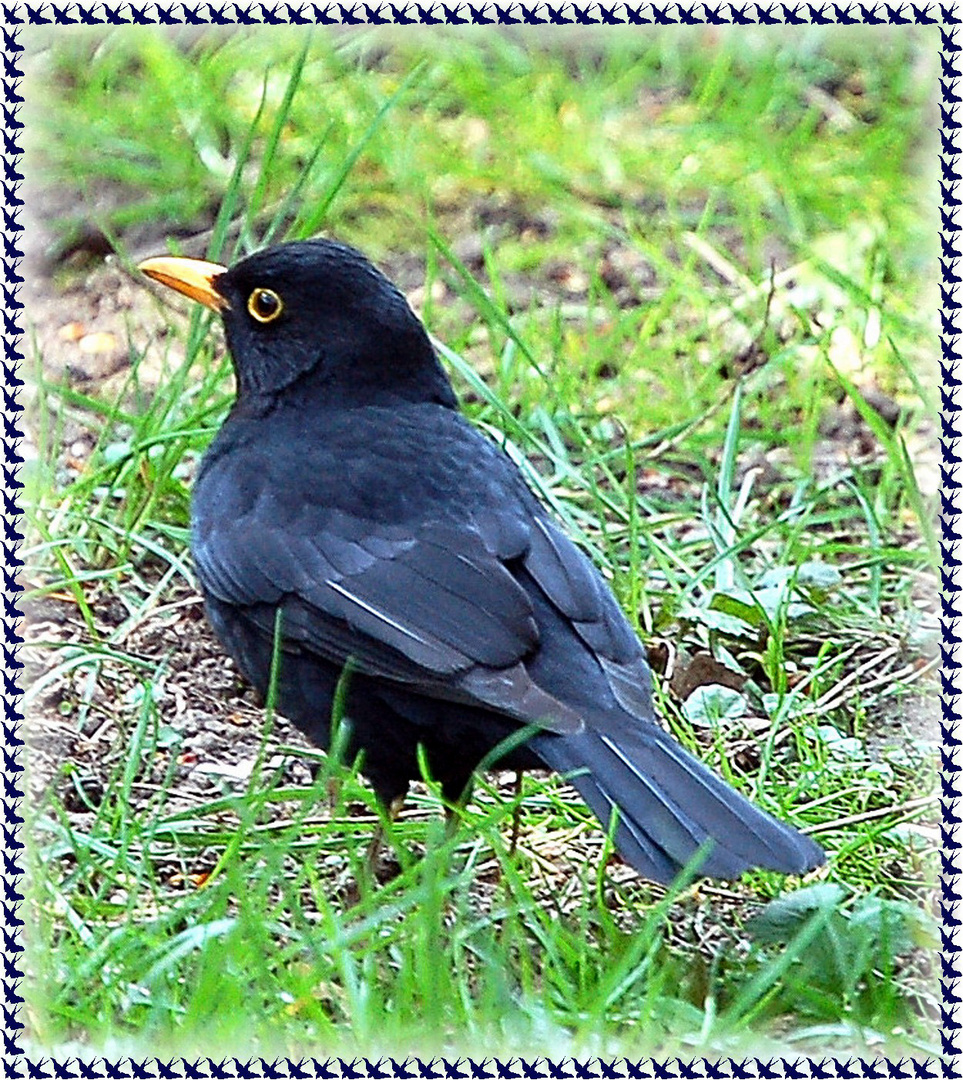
x=439, y=604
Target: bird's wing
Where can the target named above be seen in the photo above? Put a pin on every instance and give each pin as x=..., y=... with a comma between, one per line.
x=576, y=588
x=433, y=607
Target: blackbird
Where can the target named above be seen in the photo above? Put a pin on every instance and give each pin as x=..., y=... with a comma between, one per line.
x=346, y=490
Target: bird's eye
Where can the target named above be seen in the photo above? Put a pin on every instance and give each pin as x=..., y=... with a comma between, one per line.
x=264, y=305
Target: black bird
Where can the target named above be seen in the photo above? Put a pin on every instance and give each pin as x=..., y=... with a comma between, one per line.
x=11, y=249
x=10, y=324
x=714, y=1070
x=12, y=792
x=347, y=492
x=10, y=554
x=14, y=716
x=11, y=173
x=14, y=356
x=10, y=916
x=11, y=481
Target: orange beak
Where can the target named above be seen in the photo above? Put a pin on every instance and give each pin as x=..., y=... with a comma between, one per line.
x=192, y=277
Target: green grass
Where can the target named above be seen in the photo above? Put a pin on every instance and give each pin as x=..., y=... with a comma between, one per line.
x=613, y=326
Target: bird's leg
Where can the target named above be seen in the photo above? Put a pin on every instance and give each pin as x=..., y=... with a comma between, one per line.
x=374, y=848
x=456, y=796
x=334, y=793
x=517, y=815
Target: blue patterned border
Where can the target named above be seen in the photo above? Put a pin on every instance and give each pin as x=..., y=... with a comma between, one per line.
x=516, y=1068
x=485, y=13
x=13, y=792
x=17, y=1063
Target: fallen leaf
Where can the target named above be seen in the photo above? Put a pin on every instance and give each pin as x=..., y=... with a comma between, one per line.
x=72, y=331
x=703, y=669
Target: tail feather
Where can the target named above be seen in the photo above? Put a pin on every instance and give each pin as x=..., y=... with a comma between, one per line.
x=669, y=805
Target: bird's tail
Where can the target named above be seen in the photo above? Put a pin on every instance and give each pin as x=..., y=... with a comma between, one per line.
x=669, y=805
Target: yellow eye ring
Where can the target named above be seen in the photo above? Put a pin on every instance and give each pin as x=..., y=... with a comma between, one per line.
x=264, y=305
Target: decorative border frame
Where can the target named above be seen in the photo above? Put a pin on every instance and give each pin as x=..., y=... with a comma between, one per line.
x=17, y=1063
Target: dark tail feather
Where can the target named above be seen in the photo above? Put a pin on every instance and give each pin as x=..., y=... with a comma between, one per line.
x=669, y=804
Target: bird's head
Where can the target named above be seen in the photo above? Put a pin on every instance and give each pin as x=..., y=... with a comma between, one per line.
x=314, y=316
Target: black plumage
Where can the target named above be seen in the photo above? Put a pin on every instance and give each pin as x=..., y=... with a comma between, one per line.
x=346, y=489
